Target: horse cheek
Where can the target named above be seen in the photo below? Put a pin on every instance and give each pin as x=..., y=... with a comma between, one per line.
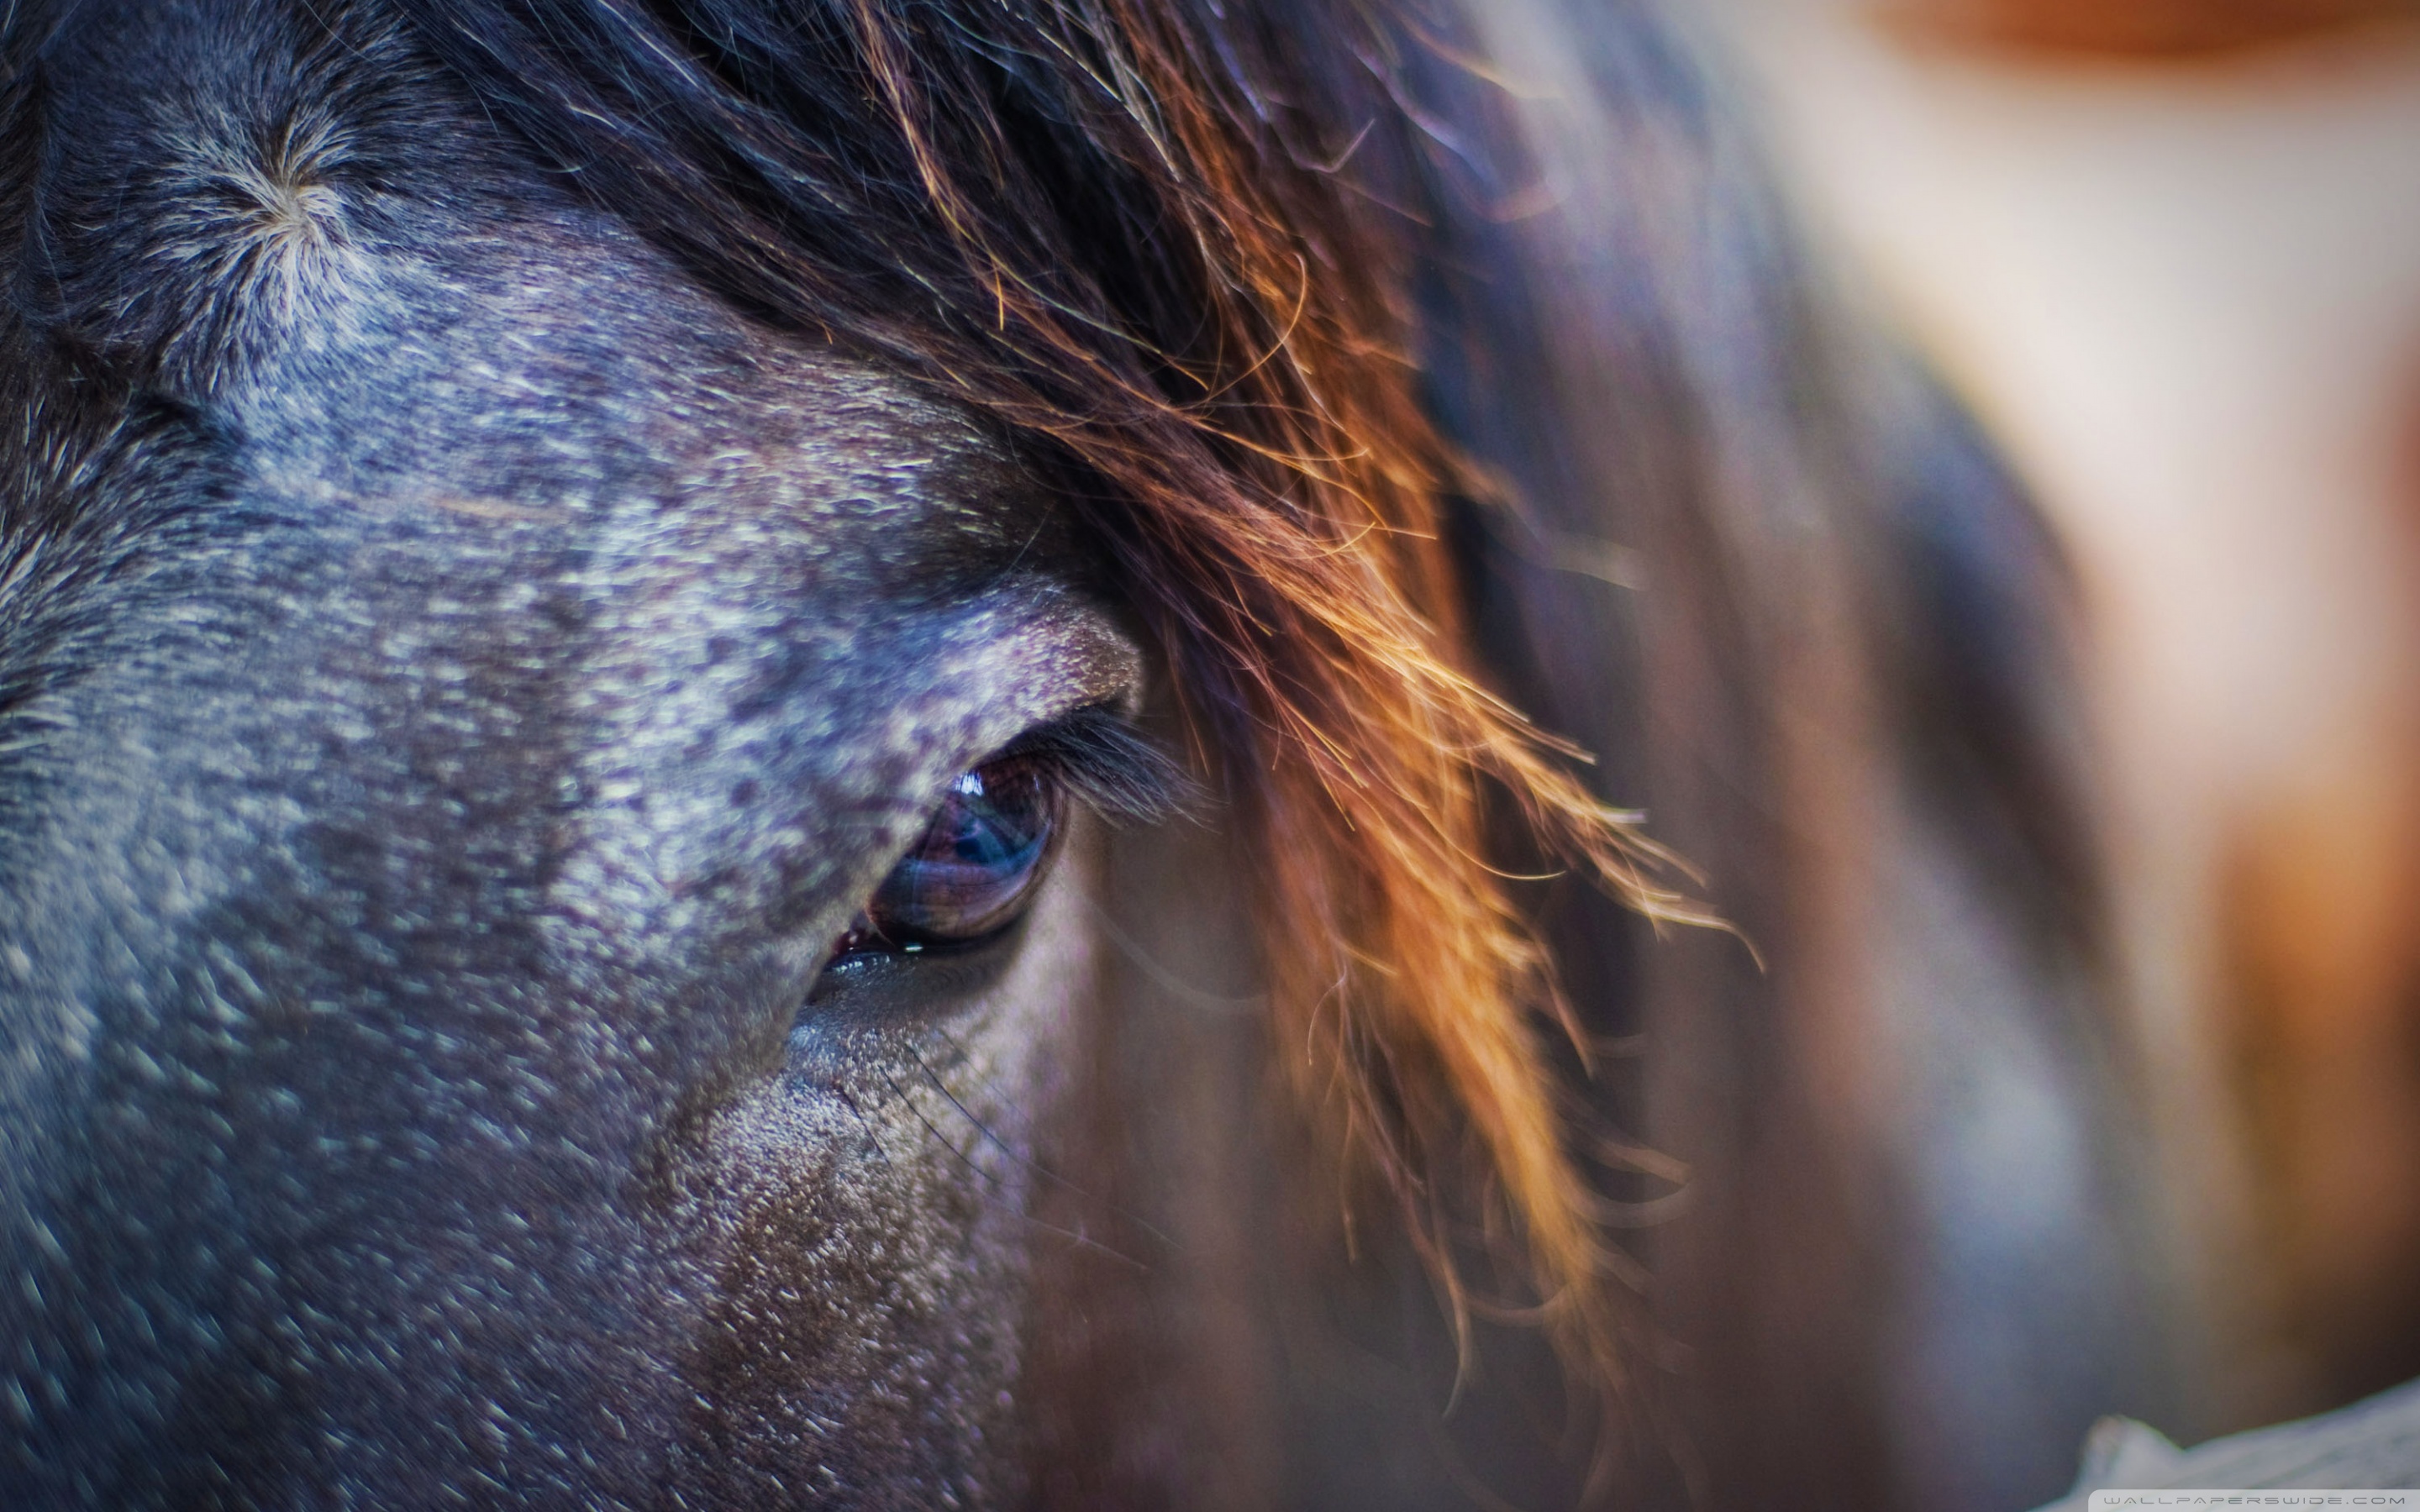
x=860, y=1228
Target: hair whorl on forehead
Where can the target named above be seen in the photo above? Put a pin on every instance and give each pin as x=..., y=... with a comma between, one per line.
x=1119, y=229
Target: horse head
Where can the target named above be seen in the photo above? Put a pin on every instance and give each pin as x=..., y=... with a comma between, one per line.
x=753, y=753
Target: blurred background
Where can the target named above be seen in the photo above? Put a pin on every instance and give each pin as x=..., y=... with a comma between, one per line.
x=2169, y=251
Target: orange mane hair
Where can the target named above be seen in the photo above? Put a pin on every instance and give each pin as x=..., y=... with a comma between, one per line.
x=1278, y=518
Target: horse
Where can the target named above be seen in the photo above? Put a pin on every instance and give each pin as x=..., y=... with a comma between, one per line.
x=897, y=753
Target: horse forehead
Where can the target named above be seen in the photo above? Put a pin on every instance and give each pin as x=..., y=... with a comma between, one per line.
x=577, y=406
x=388, y=301
x=744, y=540
x=580, y=378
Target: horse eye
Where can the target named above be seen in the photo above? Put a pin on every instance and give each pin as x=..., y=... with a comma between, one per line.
x=970, y=873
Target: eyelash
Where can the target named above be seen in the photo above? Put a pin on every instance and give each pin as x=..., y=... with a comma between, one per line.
x=971, y=874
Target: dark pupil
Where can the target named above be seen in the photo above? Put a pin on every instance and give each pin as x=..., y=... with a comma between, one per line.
x=967, y=874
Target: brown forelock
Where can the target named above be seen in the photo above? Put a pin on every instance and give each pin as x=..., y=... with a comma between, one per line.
x=1280, y=525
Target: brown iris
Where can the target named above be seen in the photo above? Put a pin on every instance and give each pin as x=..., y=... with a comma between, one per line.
x=970, y=873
